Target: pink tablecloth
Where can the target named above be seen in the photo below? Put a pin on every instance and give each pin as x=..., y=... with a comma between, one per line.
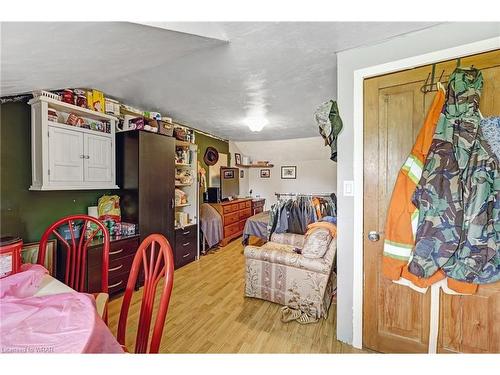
x=58, y=323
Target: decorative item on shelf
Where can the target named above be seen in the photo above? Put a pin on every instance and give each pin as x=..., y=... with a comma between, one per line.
x=67, y=96
x=288, y=172
x=52, y=115
x=112, y=107
x=165, y=127
x=180, y=133
x=180, y=197
x=132, y=123
x=245, y=160
x=237, y=159
x=152, y=115
x=182, y=156
x=184, y=176
x=182, y=219
x=265, y=173
x=211, y=156
x=98, y=103
x=151, y=125
x=74, y=120
x=262, y=163
x=80, y=98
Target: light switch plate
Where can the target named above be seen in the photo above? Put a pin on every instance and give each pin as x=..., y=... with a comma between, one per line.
x=348, y=188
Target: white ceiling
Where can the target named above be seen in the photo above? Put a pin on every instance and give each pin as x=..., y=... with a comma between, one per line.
x=213, y=82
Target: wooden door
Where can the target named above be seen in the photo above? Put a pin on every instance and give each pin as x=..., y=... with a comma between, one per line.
x=65, y=155
x=98, y=158
x=396, y=318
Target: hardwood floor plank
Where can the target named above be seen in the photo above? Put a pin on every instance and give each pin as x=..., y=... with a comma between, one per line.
x=208, y=313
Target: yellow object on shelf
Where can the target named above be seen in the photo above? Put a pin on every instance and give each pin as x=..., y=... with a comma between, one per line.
x=98, y=103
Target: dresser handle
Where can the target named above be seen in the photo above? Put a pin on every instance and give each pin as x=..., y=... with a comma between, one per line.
x=185, y=256
x=116, y=252
x=117, y=284
x=185, y=244
x=186, y=233
x=115, y=268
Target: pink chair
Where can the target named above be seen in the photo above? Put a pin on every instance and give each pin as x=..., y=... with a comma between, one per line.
x=76, y=255
x=155, y=266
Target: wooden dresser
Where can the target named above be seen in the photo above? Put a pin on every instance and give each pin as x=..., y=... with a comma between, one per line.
x=234, y=215
x=121, y=254
x=258, y=205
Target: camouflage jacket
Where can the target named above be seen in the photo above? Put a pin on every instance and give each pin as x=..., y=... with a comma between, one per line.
x=457, y=196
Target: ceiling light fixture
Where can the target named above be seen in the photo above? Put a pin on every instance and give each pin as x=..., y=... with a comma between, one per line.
x=256, y=124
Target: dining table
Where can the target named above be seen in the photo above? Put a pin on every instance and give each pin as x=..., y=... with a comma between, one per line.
x=40, y=314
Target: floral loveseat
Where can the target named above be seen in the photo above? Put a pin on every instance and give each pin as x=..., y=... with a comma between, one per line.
x=276, y=273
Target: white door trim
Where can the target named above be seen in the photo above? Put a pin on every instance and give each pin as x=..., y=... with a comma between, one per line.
x=359, y=76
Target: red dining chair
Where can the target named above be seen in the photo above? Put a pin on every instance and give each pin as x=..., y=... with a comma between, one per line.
x=76, y=254
x=155, y=266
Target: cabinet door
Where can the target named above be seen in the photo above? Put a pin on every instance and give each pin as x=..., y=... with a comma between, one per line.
x=98, y=158
x=156, y=185
x=65, y=155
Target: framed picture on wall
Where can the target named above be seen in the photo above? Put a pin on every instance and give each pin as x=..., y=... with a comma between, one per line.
x=227, y=174
x=265, y=173
x=29, y=254
x=237, y=159
x=242, y=173
x=289, y=172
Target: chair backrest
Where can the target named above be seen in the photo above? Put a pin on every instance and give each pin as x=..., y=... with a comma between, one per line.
x=76, y=249
x=155, y=266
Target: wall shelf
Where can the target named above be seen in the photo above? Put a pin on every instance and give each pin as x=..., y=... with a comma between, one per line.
x=184, y=143
x=254, y=166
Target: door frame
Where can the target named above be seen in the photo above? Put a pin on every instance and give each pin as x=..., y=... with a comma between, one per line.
x=358, y=153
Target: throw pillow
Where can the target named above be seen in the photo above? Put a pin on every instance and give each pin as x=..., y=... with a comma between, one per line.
x=316, y=243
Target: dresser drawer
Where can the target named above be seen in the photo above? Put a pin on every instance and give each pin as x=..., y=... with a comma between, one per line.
x=117, y=283
x=242, y=205
x=185, y=253
x=248, y=204
x=123, y=248
x=118, y=272
x=231, y=229
x=246, y=213
x=241, y=225
x=231, y=218
x=230, y=208
x=186, y=234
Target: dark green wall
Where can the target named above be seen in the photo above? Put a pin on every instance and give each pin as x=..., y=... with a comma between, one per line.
x=204, y=141
x=28, y=213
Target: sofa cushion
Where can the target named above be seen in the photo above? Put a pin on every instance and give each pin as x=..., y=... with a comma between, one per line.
x=293, y=239
x=285, y=255
x=316, y=243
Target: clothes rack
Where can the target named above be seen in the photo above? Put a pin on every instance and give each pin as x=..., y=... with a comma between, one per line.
x=278, y=195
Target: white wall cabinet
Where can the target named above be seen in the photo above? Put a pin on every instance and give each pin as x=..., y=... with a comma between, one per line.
x=66, y=157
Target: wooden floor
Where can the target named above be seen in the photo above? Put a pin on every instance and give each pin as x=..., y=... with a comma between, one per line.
x=209, y=314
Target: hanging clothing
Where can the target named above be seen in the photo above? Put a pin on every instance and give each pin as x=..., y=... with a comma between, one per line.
x=440, y=193
x=330, y=124
x=293, y=215
x=477, y=259
x=402, y=214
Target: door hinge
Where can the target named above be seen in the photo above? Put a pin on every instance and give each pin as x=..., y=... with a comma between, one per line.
x=48, y=172
x=48, y=133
